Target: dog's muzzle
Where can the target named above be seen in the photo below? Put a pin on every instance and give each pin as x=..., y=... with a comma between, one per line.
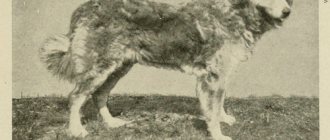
x=286, y=12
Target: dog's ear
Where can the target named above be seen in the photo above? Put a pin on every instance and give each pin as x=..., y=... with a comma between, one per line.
x=290, y=2
x=240, y=4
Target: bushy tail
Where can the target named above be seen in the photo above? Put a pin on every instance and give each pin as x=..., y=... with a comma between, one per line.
x=55, y=54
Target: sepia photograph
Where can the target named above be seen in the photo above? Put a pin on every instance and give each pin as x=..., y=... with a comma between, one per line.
x=165, y=70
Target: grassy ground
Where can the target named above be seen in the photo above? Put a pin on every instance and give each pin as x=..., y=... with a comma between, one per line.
x=168, y=117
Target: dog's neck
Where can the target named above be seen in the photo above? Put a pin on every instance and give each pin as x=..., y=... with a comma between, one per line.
x=254, y=20
x=238, y=16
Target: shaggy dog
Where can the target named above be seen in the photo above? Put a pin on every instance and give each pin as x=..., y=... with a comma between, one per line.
x=206, y=38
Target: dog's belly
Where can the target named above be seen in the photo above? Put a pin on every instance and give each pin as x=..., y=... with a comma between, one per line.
x=194, y=70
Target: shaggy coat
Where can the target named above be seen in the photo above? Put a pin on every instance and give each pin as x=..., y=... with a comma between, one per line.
x=207, y=38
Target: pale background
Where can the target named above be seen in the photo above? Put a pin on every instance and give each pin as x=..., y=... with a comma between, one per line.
x=285, y=62
x=7, y=83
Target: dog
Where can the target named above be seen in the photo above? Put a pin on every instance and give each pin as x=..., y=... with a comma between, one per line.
x=205, y=38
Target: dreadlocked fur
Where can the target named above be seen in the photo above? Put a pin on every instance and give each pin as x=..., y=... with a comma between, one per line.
x=108, y=20
x=207, y=38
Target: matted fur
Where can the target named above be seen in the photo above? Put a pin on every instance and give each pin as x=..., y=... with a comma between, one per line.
x=207, y=38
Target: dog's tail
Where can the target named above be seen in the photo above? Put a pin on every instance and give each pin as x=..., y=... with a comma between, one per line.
x=55, y=54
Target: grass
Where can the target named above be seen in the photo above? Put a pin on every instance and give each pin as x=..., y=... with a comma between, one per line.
x=170, y=117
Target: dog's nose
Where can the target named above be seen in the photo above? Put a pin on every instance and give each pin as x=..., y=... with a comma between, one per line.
x=286, y=12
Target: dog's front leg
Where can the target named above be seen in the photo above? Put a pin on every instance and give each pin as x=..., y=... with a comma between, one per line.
x=230, y=120
x=210, y=88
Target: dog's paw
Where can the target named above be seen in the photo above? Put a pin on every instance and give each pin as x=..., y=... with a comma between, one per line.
x=225, y=138
x=116, y=122
x=219, y=137
x=77, y=132
x=230, y=120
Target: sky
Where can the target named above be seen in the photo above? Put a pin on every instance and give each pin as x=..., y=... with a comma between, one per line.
x=285, y=61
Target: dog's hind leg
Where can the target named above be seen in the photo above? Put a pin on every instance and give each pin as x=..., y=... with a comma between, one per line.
x=100, y=97
x=87, y=85
x=76, y=101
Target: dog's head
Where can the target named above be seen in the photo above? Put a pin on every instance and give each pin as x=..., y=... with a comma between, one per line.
x=271, y=13
x=274, y=11
x=278, y=9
